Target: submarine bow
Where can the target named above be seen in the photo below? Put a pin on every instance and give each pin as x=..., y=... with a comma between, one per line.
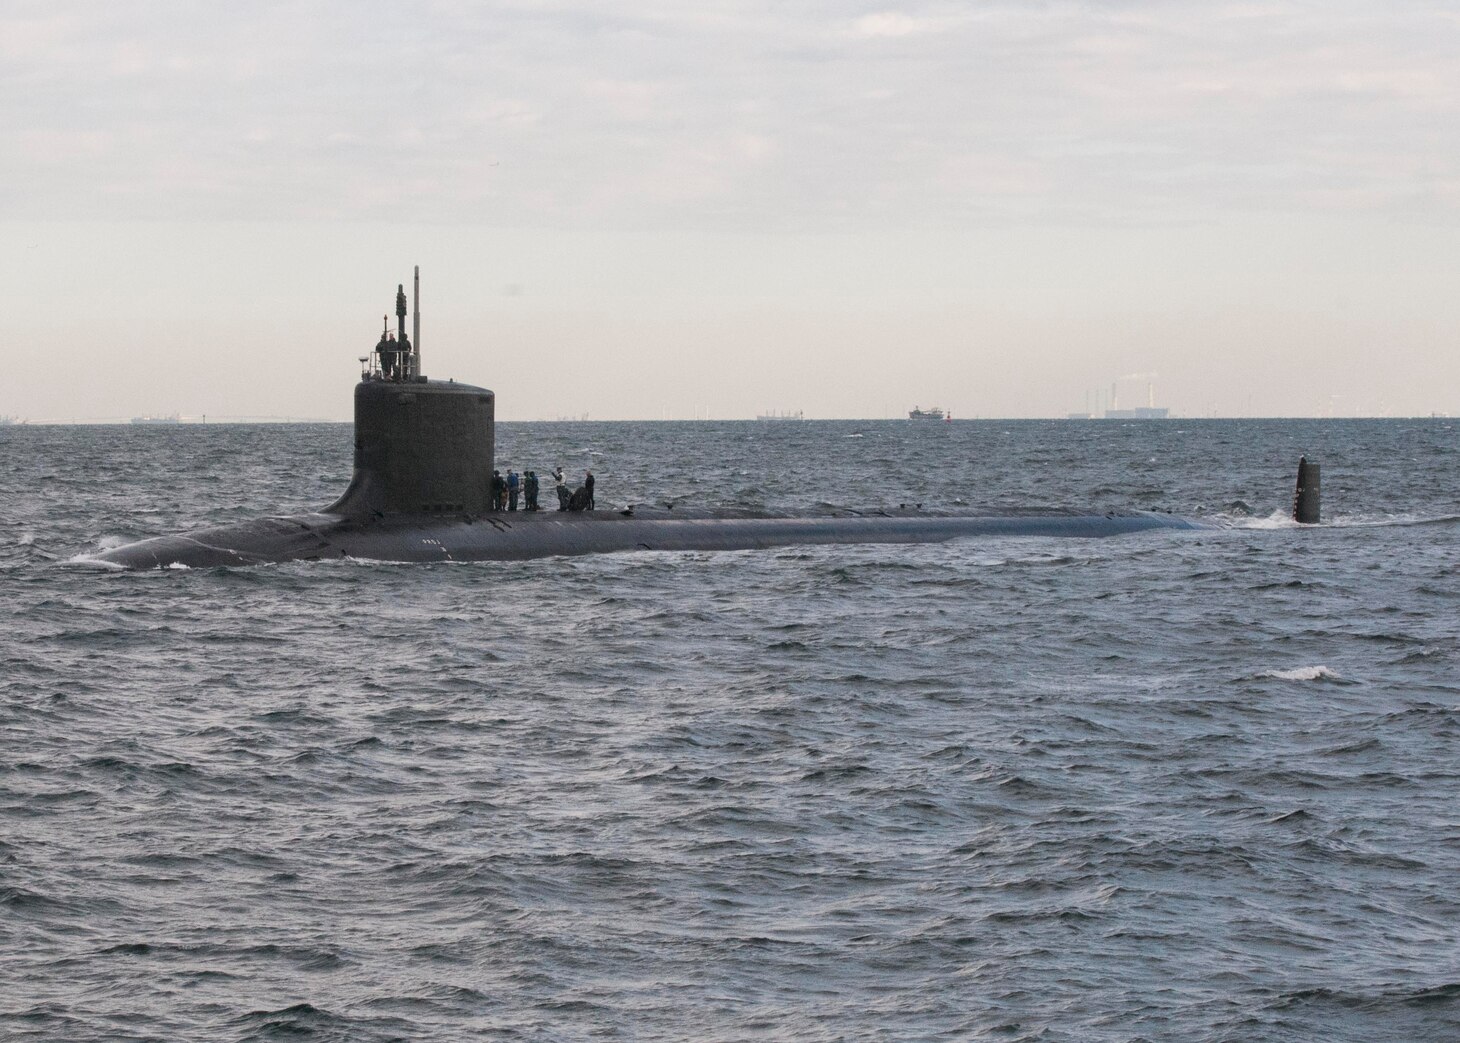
x=422, y=490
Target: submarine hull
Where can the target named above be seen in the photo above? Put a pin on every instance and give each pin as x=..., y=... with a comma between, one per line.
x=517, y=536
x=424, y=480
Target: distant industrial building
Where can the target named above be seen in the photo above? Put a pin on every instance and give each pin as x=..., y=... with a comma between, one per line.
x=1138, y=413
x=1149, y=411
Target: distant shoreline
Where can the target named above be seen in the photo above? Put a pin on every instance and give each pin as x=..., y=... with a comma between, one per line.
x=270, y=421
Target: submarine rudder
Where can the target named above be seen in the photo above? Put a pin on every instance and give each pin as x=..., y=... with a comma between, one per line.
x=1307, y=496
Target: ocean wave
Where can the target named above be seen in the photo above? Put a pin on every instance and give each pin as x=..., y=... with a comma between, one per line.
x=1305, y=673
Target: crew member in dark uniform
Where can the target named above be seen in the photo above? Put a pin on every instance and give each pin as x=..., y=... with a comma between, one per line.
x=588, y=487
x=386, y=350
x=402, y=352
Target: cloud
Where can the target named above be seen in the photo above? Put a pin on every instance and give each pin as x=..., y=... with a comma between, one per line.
x=890, y=23
x=1135, y=111
x=629, y=100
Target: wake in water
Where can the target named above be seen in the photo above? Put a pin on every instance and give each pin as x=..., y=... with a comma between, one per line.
x=1280, y=520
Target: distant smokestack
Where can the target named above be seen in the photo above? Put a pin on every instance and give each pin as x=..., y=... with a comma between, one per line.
x=1114, y=398
x=1151, y=395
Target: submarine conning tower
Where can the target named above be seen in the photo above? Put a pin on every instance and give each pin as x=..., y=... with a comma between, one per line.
x=421, y=446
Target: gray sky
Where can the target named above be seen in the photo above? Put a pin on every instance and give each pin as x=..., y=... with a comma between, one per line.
x=648, y=209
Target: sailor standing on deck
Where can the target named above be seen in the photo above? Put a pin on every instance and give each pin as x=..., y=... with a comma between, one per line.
x=514, y=484
x=562, y=488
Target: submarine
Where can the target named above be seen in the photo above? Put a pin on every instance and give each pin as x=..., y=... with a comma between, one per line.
x=421, y=491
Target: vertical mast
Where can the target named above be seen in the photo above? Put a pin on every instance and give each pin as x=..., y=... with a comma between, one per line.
x=416, y=323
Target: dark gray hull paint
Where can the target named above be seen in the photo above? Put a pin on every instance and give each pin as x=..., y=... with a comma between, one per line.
x=517, y=536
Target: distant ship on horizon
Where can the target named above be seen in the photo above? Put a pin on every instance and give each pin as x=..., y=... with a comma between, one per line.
x=172, y=418
x=781, y=416
x=935, y=413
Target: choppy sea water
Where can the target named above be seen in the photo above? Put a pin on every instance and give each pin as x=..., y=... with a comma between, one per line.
x=1176, y=785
